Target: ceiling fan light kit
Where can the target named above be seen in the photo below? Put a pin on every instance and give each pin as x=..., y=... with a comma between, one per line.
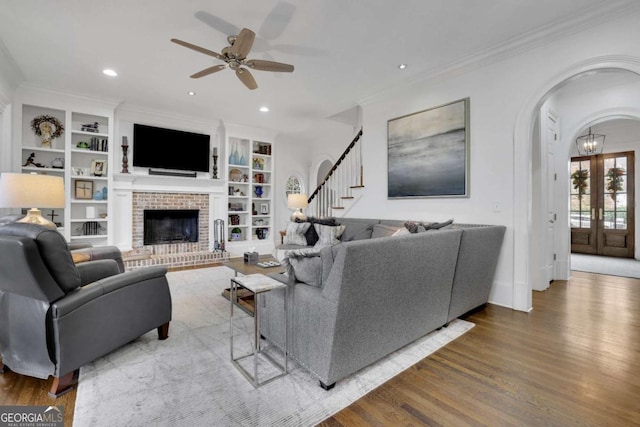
x=235, y=57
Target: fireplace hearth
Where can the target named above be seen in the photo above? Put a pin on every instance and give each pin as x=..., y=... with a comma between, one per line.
x=165, y=226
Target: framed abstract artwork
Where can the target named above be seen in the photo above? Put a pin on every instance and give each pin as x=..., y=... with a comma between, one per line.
x=428, y=153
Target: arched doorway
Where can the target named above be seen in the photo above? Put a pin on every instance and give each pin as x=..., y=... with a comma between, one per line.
x=527, y=205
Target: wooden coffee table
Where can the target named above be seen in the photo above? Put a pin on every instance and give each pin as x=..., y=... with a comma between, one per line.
x=245, y=297
x=240, y=267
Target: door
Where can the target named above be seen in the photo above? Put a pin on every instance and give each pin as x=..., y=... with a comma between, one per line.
x=603, y=205
x=551, y=176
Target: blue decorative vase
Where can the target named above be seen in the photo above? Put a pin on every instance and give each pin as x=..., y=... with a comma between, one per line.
x=97, y=195
x=258, y=191
x=104, y=193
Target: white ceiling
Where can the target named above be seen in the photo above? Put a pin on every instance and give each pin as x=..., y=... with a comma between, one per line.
x=344, y=51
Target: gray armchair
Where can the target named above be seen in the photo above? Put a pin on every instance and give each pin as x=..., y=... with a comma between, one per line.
x=57, y=315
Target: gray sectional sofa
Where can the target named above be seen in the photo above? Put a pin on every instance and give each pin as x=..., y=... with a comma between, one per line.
x=375, y=293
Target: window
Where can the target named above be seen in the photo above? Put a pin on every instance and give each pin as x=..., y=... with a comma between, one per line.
x=294, y=185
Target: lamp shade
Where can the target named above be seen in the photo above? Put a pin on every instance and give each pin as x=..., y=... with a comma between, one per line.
x=297, y=201
x=19, y=190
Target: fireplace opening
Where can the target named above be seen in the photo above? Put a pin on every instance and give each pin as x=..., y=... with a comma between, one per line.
x=170, y=226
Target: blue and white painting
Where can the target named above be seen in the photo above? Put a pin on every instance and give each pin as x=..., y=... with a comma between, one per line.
x=427, y=153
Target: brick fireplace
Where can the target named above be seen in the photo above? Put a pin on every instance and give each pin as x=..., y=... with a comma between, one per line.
x=134, y=192
x=182, y=254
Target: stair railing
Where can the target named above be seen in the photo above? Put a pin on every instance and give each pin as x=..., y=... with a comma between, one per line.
x=345, y=175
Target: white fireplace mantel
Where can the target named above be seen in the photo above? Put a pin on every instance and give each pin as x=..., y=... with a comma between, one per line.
x=169, y=184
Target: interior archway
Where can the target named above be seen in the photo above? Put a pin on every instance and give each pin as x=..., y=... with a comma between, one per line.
x=526, y=140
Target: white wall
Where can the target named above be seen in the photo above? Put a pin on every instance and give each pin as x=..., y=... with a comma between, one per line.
x=292, y=158
x=503, y=95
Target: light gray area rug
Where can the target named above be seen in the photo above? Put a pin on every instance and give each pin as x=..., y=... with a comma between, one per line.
x=624, y=267
x=189, y=379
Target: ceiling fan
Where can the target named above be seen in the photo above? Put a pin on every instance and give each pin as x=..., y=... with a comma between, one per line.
x=235, y=57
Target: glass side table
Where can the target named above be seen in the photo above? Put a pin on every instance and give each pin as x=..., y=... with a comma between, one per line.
x=258, y=284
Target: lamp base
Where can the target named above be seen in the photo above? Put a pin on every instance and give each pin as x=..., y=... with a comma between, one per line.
x=298, y=216
x=34, y=216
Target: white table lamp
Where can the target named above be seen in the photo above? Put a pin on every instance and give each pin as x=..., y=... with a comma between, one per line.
x=298, y=202
x=19, y=190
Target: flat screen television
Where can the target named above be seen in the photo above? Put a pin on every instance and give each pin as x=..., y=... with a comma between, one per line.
x=160, y=148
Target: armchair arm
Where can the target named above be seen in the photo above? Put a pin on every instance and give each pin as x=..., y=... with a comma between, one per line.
x=101, y=252
x=92, y=271
x=104, y=286
x=74, y=246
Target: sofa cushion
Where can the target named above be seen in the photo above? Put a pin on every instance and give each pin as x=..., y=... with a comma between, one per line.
x=328, y=235
x=311, y=235
x=356, y=231
x=380, y=230
x=295, y=234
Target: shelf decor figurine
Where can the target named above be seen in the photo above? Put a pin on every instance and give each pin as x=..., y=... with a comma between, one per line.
x=47, y=128
x=125, y=159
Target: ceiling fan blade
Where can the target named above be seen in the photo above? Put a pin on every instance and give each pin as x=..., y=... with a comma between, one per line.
x=243, y=43
x=262, y=65
x=245, y=77
x=198, y=49
x=208, y=71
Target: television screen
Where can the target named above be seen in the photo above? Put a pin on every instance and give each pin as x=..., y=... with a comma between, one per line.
x=170, y=149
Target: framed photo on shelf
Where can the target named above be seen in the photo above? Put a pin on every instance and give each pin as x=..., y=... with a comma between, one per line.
x=83, y=189
x=99, y=167
x=264, y=209
x=80, y=171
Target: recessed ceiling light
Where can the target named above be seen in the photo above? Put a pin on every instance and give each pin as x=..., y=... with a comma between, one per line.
x=264, y=109
x=191, y=93
x=402, y=66
x=109, y=72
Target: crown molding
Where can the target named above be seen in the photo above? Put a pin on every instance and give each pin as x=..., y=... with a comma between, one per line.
x=594, y=16
x=10, y=76
x=133, y=112
x=27, y=87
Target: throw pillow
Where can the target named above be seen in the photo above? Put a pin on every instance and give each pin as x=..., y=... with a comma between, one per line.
x=415, y=227
x=438, y=225
x=311, y=235
x=305, y=265
x=401, y=232
x=356, y=231
x=328, y=235
x=381, y=230
x=295, y=234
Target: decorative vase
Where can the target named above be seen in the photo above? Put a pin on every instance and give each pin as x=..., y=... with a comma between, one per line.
x=242, y=160
x=258, y=191
x=104, y=193
x=234, y=155
x=97, y=195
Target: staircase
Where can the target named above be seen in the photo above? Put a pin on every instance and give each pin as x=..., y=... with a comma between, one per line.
x=338, y=191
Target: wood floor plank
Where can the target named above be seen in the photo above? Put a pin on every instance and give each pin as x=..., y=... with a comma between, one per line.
x=573, y=360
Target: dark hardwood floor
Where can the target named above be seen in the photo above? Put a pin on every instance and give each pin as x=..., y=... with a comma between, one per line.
x=574, y=360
